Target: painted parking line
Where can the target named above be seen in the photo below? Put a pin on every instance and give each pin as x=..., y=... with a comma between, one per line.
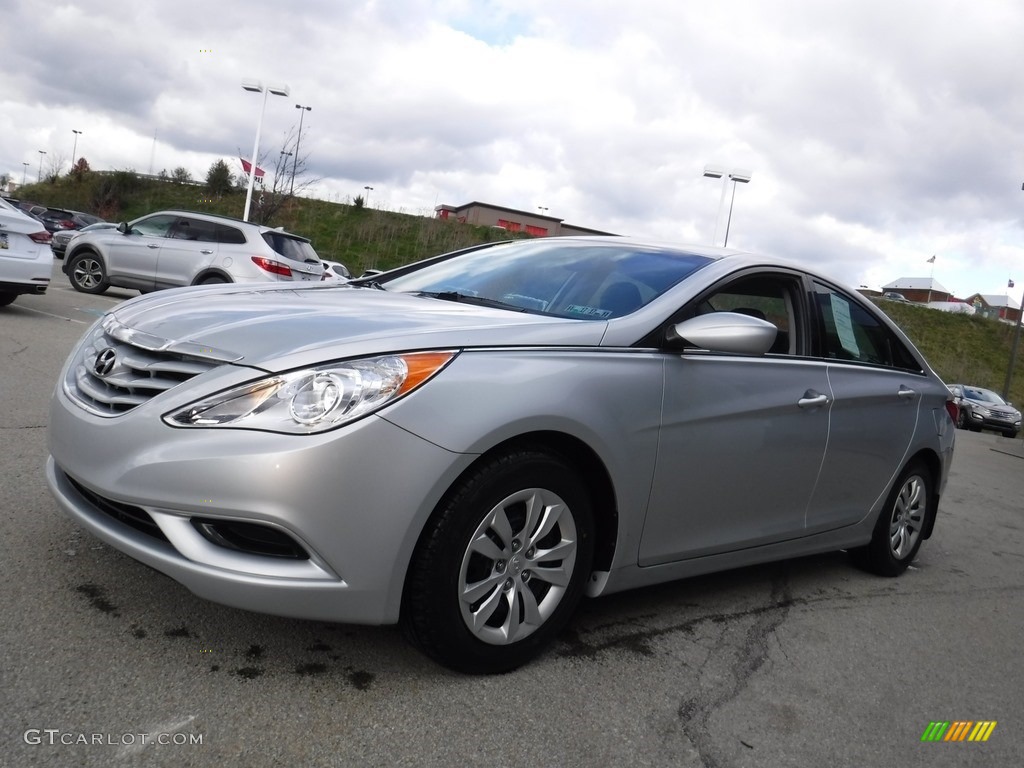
x=58, y=317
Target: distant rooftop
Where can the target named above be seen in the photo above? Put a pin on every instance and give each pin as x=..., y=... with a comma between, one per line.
x=915, y=284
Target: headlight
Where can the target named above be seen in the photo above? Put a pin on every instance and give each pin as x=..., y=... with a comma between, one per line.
x=314, y=399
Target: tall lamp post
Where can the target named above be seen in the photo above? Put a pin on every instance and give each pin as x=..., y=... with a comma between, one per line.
x=74, y=151
x=543, y=209
x=736, y=177
x=257, y=87
x=298, y=138
x=368, y=191
x=24, y=172
x=39, y=173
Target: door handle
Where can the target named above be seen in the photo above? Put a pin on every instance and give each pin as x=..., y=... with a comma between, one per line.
x=906, y=393
x=812, y=399
x=152, y=245
x=206, y=251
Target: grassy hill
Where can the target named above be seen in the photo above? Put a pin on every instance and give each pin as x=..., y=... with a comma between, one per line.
x=960, y=348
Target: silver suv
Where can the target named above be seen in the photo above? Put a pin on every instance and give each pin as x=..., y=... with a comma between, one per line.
x=174, y=248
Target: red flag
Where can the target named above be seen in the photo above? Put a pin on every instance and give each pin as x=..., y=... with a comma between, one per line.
x=246, y=166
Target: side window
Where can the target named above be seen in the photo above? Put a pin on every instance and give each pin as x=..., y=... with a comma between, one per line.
x=154, y=226
x=766, y=297
x=226, y=234
x=851, y=332
x=194, y=229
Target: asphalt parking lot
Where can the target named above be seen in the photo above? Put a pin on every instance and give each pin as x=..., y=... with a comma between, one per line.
x=808, y=662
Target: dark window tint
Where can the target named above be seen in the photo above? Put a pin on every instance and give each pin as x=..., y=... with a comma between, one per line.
x=851, y=332
x=291, y=247
x=226, y=234
x=195, y=229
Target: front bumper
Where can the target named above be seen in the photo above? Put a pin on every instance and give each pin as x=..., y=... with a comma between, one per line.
x=355, y=500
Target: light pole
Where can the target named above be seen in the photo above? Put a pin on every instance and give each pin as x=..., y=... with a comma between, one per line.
x=257, y=87
x=298, y=138
x=24, y=172
x=75, y=150
x=39, y=173
x=368, y=191
x=736, y=177
x=543, y=209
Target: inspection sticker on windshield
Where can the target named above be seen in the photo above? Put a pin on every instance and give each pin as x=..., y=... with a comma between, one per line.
x=578, y=309
x=844, y=325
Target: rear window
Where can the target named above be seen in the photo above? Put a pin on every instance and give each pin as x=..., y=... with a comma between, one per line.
x=291, y=247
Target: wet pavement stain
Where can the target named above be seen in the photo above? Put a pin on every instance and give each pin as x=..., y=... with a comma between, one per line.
x=138, y=632
x=360, y=680
x=249, y=673
x=318, y=646
x=254, y=652
x=179, y=632
x=305, y=670
x=98, y=598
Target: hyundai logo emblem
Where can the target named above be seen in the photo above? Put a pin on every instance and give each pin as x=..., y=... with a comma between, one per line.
x=105, y=362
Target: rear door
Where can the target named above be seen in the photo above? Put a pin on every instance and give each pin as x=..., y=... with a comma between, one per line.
x=877, y=387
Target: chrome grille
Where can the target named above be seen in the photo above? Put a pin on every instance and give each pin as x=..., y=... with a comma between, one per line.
x=116, y=369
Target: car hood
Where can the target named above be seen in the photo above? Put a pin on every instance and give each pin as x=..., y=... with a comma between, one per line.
x=279, y=327
x=1009, y=409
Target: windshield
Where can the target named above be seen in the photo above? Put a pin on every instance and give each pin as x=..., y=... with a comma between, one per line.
x=585, y=280
x=983, y=395
x=291, y=247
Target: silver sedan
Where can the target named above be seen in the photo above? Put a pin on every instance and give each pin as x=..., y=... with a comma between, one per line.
x=471, y=444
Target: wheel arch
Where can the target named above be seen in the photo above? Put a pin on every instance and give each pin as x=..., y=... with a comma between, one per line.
x=211, y=272
x=593, y=474
x=933, y=464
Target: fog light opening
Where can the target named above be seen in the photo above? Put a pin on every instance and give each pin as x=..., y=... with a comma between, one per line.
x=250, y=538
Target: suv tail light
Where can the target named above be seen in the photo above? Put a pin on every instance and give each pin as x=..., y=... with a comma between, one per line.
x=953, y=410
x=269, y=265
x=41, y=237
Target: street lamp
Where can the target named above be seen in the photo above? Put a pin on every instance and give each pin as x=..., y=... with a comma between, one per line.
x=24, y=171
x=736, y=177
x=368, y=191
x=257, y=87
x=543, y=209
x=39, y=174
x=75, y=150
x=297, y=140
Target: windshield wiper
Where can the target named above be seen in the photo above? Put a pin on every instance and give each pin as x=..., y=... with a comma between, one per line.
x=468, y=298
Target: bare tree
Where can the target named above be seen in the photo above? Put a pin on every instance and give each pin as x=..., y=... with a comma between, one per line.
x=54, y=167
x=288, y=180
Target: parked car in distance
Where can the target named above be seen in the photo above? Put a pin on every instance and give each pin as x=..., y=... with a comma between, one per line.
x=25, y=257
x=58, y=219
x=176, y=248
x=982, y=408
x=893, y=296
x=335, y=270
x=61, y=238
x=470, y=444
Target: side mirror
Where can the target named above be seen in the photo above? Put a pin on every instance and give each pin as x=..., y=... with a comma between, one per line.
x=123, y=228
x=725, y=332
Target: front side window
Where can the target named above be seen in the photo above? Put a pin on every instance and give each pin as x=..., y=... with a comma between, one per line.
x=154, y=226
x=849, y=331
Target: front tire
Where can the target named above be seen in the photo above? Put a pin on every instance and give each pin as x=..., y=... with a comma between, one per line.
x=897, y=535
x=87, y=273
x=502, y=564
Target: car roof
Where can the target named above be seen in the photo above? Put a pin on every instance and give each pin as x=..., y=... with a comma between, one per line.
x=216, y=217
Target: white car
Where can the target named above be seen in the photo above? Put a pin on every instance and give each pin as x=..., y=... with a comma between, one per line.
x=177, y=248
x=25, y=256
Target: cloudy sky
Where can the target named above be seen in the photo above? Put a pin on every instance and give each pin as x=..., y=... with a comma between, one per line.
x=877, y=134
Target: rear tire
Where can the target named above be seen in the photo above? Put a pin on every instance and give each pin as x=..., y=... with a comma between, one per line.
x=897, y=535
x=87, y=273
x=501, y=565
x=211, y=280
x=6, y=298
